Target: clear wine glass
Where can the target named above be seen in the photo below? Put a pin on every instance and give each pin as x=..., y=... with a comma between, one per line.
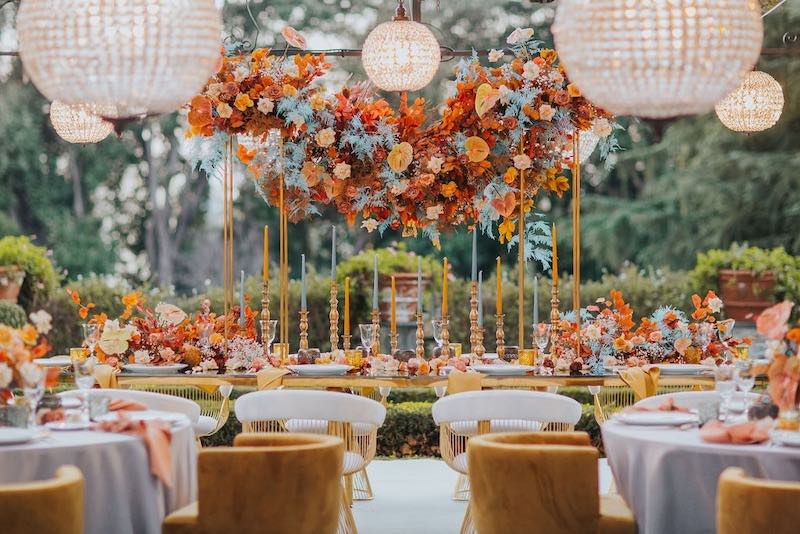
x=33, y=379
x=91, y=333
x=725, y=384
x=541, y=335
x=368, y=333
x=440, y=390
x=268, y=335
x=438, y=330
x=745, y=380
x=83, y=368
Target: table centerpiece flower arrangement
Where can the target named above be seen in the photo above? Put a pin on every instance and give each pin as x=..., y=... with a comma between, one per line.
x=19, y=347
x=783, y=350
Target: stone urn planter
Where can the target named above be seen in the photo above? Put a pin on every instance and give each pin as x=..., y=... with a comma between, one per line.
x=406, y=300
x=11, y=278
x=746, y=294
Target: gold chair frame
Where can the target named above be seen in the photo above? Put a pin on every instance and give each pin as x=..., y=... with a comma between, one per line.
x=613, y=398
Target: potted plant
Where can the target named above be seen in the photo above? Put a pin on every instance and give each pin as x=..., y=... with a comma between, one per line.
x=748, y=279
x=11, y=278
x=40, y=278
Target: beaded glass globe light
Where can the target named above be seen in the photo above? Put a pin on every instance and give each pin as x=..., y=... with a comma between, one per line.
x=657, y=59
x=755, y=106
x=401, y=55
x=80, y=123
x=140, y=57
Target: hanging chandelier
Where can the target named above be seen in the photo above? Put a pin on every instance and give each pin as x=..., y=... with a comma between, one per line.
x=657, y=59
x=138, y=57
x=80, y=123
x=755, y=106
x=401, y=55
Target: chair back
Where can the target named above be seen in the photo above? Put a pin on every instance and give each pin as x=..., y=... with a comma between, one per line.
x=353, y=418
x=464, y=415
x=527, y=483
x=211, y=394
x=153, y=401
x=692, y=400
x=54, y=506
x=277, y=483
x=752, y=506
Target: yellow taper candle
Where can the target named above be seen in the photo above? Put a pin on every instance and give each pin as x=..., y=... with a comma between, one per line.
x=444, y=290
x=266, y=252
x=393, y=323
x=499, y=274
x=347, y=306
x=555, y=256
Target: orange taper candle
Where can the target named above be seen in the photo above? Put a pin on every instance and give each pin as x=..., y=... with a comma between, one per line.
x=266, y=252
x=393, y=322
x=499, y=274
x=555, y=256
x=347, y=306
x=444, y=290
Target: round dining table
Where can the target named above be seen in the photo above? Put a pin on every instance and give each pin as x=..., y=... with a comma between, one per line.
x=668, y=476
x=121, y=495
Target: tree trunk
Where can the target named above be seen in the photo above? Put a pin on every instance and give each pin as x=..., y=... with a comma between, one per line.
x=74, y=175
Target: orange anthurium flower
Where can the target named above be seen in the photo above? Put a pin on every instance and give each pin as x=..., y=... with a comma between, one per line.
x=505, y=206
x=477, y=149
x=401, y=157
x=485, y=98
x=244, y=155
x=294, y=37
x=506, y=230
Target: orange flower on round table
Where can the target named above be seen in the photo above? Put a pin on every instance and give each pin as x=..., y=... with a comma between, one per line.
x=477, y=149
x=401, y=157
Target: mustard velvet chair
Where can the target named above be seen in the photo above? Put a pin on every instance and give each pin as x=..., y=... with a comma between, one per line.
x=353, y=418
x=752, y=506
x=269, y=483
x=534, y=483
x=211, y=394
x=53, y=506
x=465, y=415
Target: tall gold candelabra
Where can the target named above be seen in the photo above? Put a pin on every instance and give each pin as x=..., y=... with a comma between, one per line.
x=475, y=337
x=376, y=341
x=420, y=351
x=304, y=330
x=334, y=317
x=500, y=336
x=265, y=315
x=445, y=336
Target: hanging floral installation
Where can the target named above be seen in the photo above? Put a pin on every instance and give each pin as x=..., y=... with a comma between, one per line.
x=394, y=168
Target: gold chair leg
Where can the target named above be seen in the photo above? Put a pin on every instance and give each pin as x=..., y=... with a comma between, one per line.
x=362, y=489
x=347, y=523
x=348, y=489
x=468, y=525
x=461, y=493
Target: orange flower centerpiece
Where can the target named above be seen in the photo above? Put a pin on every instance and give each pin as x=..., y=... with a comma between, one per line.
x=18, y=348
x=783, y=349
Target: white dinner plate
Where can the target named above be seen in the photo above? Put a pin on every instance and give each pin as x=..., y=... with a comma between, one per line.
x=785, y=437
x=329, y=369
x=55, y=361
x=503, y=370
x=15, y=436
x=145, y=415
x=657, y=418
x=147, y=369
x=682, y=368
x=489, y=356
x=66, y=425
x=69, y=402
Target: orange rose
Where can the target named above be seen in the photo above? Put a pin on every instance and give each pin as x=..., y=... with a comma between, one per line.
x=573, y=90
x=449, y=189
x=477, y=149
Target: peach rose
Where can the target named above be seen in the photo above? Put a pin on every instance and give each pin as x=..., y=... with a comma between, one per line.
x=772, y=323
x=681, y=344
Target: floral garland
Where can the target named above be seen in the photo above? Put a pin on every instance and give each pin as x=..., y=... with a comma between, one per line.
x=353, y=151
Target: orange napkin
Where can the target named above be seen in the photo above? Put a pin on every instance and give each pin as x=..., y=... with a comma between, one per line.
x=667, y=406
x=643, y=381
x=741, y=434
x=156, y=436
x=271, y=378
x=459, y=381
x=118, y=405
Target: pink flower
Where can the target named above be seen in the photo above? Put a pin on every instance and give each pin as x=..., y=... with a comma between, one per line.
x=655, y=336
x=681, y=344
x=772, y=323
x=294, y=37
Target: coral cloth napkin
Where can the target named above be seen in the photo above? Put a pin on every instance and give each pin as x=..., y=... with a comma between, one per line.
x=643, y=381
x=270, y=378
x=119, y=405
x=105, y=376
x=157, y=437
x=742, y=433
x=459, y=381
x=667, y=406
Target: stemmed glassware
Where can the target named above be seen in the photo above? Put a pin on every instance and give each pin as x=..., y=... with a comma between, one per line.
x=368, y=332
x=91, y=333
x=438, y=330
x=33, y=379
x=725, y=384
x=268, y=335
x=745, y=380
x=541, y=335
x=83, y=368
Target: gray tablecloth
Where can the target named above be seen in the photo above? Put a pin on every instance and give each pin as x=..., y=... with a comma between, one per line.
x=121, y=495
x=669, y=477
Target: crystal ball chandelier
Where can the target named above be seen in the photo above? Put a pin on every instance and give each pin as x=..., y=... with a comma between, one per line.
x=755, y=106
x=138, y=57
x=80, y=123
x=657, y=59
x=401, y=55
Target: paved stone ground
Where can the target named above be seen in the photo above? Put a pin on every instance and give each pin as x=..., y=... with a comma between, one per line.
x=415, y=496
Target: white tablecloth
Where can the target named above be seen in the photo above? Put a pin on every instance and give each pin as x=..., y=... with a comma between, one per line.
x=122, y=497
x=669, y=476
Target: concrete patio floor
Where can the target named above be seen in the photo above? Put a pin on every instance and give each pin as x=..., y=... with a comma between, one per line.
x=415, y=496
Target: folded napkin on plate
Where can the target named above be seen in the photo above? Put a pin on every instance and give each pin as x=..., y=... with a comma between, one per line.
x=156, y=436
x=119, y=405
x=459, y=381
x=742, y=433
x=643, y=381
x=270, y=378
x=105, y=376
x=667, y=406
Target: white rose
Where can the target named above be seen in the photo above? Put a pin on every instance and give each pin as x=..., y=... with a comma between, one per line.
x=241, y=72
x=170, y=314
x=325, y=137
x=31, y=374
x=531, y=70
x=715, y=304
x=142, y=356
x=495, y=55
x=265, y=106
x=602, y=127
x=342, y=171
x=520, y=34
x=546, y=112
x=296, y=119
x=435, y=165
x=522, y=162
x=434, y=212
x=593, y=332
x=5, y=375
x=42, y=321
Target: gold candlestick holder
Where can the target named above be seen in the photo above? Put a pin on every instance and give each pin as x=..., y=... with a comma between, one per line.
x=264, y=321
x=500, y=336
x=393, y=341
x=445, y=336
x=304, y=330
x=473, y=317
x=420, y=350
x=480, y=349
x=346, y=341
x=376, y=321
x=555, y=316
x=334, y=317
